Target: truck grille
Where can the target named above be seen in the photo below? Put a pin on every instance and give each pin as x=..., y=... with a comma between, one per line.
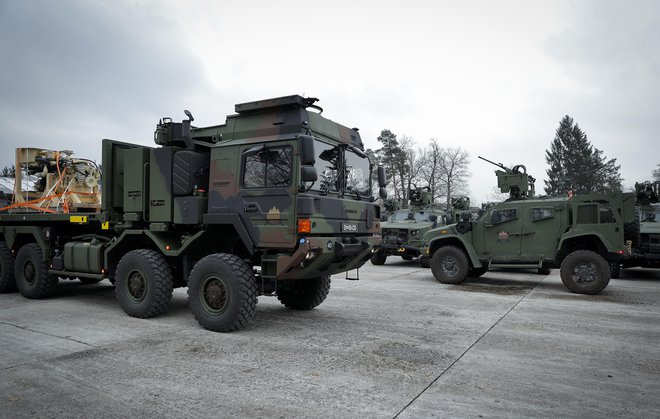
x=395, y=236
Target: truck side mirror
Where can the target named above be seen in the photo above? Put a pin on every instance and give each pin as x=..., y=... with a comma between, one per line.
x=382, y=192
x=307, y=158
x=307, y=155
x=382, y=179
x=308, y=173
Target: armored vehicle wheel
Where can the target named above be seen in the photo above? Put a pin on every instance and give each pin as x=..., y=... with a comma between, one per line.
x=144, y=283
x=585, y=272
x=7, y=281
x=544, y=271
x=425, y=261
x=477, y=272
x=222, y=292
x=31, y=273
x=303, y=294
x=406, y=257
x=378, y=258
x=449, y=265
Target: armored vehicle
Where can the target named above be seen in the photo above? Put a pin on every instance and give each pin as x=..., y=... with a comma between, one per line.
x=403, y=231
x=644, y=233
x=580, y=235
x=272, y=202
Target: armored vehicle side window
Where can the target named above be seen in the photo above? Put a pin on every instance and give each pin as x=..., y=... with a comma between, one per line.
x=503, y=215
x=541, y=213
x=605, y=213
x=269, y=168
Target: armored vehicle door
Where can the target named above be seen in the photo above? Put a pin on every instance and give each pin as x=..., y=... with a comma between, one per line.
x=498, y=234
x=542, y=229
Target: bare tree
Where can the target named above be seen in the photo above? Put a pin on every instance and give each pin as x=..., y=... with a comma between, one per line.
x=453, y=173
x=429, y=168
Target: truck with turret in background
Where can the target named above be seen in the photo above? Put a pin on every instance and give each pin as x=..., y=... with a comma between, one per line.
x=272, y=202
x=580, y=234
x=402, y=232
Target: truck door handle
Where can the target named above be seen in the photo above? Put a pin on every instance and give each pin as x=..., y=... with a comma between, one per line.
x=251, y=208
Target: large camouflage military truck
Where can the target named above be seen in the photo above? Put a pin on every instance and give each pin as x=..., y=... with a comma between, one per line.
x=403, y=231
x=580, y=235
x=272, y=202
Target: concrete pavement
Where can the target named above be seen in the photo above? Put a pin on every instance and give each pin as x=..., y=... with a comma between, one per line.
x=395, y=343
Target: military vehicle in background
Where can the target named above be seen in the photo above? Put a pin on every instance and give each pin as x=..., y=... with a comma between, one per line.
x=580, y=235
x=644, y=232
x=402, y=232
x=273, y=202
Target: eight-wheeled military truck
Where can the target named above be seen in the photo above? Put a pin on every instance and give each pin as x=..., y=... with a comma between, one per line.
x=580, y=235
x=273, y=202
x=403, y=231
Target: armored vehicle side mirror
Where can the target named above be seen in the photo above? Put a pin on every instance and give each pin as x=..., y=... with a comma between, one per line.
x=308, y=174
x=434, y=220
x=382, y=179
x=307, y=155
x=382, y=192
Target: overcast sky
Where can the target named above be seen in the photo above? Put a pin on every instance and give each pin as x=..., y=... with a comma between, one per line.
x=493, y=77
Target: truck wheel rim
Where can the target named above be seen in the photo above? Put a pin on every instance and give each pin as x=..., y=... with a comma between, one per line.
x=29, y=272
x=136, y=286
x=215, y=295
x=585, y=273
x=449, y=266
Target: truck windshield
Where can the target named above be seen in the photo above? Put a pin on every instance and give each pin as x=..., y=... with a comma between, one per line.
x=329, y=160
x=408, y=215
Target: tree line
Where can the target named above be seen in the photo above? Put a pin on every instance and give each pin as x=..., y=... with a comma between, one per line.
x=575, y=166
x=444, y=170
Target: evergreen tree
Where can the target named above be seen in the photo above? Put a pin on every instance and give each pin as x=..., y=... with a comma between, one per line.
x=576, y=166
x=390, y=155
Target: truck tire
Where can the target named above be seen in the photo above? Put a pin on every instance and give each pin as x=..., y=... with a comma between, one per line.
x=144, y=283
x=406, y=257
x=303, y=294
x=7, y=281
x=31, y=273
x=449, y=265
x=632, y=230
x=585, y=272
x=477, y=272
x=425, y=261
x=379, y=258
x=222, y=292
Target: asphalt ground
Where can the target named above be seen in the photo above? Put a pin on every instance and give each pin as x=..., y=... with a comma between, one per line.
x=395, y=343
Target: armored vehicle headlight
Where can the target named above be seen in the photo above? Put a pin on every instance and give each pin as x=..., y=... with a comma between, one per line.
x=414, y=232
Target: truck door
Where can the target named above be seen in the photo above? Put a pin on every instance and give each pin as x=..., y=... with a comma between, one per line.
x=502, y=234
x=267, y=192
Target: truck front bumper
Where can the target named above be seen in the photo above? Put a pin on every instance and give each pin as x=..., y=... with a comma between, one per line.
x=320, y=256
